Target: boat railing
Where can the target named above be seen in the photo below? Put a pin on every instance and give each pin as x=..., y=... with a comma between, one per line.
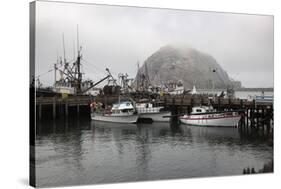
x=148, y=110
x=264, y=98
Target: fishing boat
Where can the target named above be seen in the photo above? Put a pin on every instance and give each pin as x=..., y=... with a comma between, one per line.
x=70, y=81
x=121, y=112
x=147, y=111
x=207, y=116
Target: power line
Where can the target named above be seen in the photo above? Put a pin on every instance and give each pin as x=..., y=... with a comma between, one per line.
x=88, y=62
x=44, y=73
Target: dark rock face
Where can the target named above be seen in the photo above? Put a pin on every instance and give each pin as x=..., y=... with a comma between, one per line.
x=173, y=64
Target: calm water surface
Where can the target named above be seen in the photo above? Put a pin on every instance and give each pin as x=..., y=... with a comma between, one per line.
x=87, y=152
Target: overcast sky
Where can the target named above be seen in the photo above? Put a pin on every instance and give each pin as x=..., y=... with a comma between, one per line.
x=118, y=37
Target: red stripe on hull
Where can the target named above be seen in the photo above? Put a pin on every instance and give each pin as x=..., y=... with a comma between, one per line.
x=209, y=118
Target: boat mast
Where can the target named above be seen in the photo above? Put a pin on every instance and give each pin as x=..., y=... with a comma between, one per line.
x=147, y=83
x=79, y=78
x=55, y=69
x=138, y=76
x=213, y=82
x=63, y=45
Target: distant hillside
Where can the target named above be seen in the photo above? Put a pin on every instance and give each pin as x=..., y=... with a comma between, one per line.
x=190, y=66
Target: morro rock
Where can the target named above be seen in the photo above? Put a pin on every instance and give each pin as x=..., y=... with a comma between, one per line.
x=190, y=66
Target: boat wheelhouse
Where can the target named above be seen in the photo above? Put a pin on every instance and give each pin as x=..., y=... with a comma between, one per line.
x=155, y=113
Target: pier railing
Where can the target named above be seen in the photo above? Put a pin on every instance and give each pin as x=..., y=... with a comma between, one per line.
x=74, y=100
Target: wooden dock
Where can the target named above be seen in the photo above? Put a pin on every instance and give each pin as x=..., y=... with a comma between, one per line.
x=177, y=104
x=254, y=114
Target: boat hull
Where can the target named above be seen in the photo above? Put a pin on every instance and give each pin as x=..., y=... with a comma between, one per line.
x=156, y=117
x=115, y=119
x=218, y=120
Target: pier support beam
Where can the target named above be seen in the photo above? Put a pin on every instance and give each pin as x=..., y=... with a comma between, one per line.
x=60, y=110
x=247, y=118
x=174, y=112
x=78, y=110
x=54, y=108
x=229, y=103
x=40, y=111
x=181, y=106
x=263, y=119
x=66, y=110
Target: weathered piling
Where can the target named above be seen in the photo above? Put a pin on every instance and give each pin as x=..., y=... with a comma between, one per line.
x=40, y=111
x=55, y=107
x=78, y=109
x=66, y=109
x=174, y=113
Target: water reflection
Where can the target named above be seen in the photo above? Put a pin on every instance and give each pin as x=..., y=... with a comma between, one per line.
x=267, y=168
x=86, y=152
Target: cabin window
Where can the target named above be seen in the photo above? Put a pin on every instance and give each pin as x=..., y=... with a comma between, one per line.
x=128, y=104
x=115, y=111
x=126, y=110
x=198, y=110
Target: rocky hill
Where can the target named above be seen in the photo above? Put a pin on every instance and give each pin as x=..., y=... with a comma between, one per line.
x=192, y=67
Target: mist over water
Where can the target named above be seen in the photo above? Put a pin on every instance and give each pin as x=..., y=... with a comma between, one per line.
x=86, y=152
x=118, y=37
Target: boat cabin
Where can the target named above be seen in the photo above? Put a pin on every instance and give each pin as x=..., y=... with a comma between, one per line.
x=126, y=106
x=202, y=109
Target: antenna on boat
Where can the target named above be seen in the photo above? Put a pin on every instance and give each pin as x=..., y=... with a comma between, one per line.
x=214, y=70
x=138, y=76
x=146, y=76
x=73, y=49
x=78, y=45
x=63, y=45
x=114, y=80
x=55, y=69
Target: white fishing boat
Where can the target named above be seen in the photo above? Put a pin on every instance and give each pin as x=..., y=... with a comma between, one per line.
x=207, y=116
x=177, y=90
x=121, y=112
x=194, y=91
x=147, y=111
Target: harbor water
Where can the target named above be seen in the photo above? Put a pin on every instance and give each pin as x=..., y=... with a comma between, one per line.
x=77, y=152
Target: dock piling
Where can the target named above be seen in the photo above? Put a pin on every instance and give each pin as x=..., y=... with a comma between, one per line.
x=66, y=109
x=40, y=111
x=78, y=110
x=54, y=108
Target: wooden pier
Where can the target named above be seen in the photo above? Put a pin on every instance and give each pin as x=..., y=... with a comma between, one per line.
x=255, y=115
x=255, y=112
x=60, y=107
